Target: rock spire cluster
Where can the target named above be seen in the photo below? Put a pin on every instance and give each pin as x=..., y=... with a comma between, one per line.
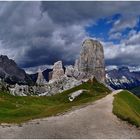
x=89, y=64
x=58, y=71
x=40, y=79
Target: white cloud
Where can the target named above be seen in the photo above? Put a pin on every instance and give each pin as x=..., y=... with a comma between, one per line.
x=121, y=54
x=32, y=70
x=123, y=23
x=33, y=37
x=115, y=35
x=133, y=39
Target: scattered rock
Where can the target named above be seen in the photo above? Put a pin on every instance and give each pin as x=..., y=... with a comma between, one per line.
x=75, y=94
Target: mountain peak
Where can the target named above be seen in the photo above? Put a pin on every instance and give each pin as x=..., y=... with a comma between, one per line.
x=124, y=68
x=10, y=72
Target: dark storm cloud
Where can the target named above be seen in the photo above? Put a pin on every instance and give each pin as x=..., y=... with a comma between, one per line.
x=124, y=60
x=36, y=33
x=31, y=37
x=75, y=11
x=46, y=53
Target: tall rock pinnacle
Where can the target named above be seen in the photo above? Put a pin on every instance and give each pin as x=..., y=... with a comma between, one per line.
x=40, y=79
x=91, y=60
x=58, y=71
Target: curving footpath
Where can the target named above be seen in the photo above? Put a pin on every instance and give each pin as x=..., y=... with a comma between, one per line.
x=93, y=121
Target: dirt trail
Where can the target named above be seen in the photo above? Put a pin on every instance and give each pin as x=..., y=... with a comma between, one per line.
x=93, y=121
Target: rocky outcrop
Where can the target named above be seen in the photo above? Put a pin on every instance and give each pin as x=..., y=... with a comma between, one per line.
x=40, y=79
x=45, y=73
x=20, y=90
x=58, y=71
x=75, y=94
x=11, y=73
x=59, y=85
x=89, y=64
x=73, y=72
x=91, y=60
x=76, y=64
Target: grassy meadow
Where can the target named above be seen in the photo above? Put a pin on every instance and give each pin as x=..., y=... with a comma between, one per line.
x=127, y=107
x=17, y=109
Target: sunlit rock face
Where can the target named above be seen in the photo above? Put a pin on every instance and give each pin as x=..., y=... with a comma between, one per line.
x=20, y=90
x=40, y=79
x=58, y=71
x=71, y=71
x=59, y=85
x=91, y=60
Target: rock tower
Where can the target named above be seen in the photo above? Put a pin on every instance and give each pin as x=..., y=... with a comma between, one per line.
x=91, y=60
x=40, y=79
x=58, y=71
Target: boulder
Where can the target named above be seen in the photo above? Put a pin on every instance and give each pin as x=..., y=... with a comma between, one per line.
x=75, y=94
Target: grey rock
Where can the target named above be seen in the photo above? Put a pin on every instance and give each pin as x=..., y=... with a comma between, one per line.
x=58, y=71
x=75, y=94
x=19, y=90
x=59, y=85
x=76, y=64
x=50, y=75
x=91, y=60
x=11, y=73
x=40, y=79
x=89, y=64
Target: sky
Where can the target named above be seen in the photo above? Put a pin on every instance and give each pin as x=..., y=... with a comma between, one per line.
x=41, y=33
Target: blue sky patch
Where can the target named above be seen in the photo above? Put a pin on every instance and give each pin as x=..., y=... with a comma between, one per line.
x=102, y=27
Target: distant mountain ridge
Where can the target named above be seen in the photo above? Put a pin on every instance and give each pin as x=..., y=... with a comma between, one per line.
x=122, y=78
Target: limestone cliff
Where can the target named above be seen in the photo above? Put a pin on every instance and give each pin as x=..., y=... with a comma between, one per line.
x=91, y=60
x=40, y=79
x=58, y=71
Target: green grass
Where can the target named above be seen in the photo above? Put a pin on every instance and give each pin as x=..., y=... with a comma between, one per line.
x=127, y=107
x=16, y=109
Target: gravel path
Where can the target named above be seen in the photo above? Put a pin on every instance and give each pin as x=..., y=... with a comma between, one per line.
x=93, y=121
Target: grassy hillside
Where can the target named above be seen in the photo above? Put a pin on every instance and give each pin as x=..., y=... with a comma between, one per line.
x=15, y=109
x=127, y=107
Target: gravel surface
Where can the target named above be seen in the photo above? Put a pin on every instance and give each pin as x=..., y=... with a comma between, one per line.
x=93, y=121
